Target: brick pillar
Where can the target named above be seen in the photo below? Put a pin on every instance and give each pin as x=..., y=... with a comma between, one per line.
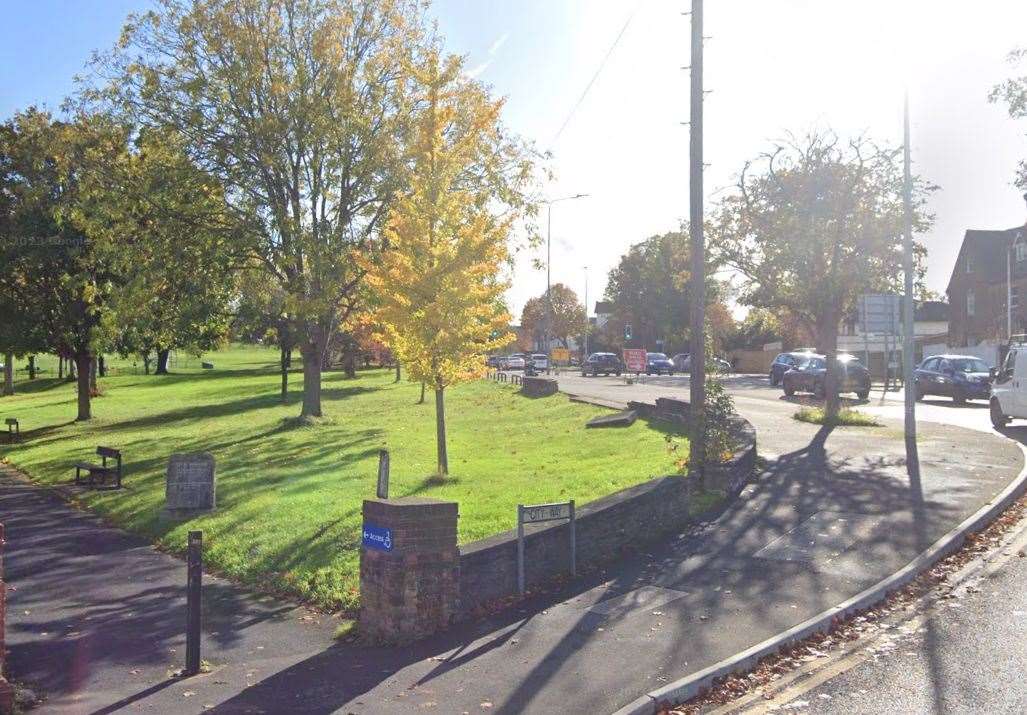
x=409, y=568
x=6, y=693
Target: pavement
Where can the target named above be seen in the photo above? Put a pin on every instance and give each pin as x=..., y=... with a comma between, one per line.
x=96, y=618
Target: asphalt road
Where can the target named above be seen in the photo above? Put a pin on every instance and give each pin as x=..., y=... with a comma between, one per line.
x=965, y=657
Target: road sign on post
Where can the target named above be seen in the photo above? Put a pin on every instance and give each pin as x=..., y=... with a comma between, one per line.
x=634, y=360
x=535, y=514
x=880, y=313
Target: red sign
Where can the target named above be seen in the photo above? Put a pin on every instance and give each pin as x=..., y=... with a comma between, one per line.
x=634, y=360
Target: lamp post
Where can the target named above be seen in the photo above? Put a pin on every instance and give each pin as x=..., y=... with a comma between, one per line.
x=909, y=338
x=549, y=262
x=584, y=352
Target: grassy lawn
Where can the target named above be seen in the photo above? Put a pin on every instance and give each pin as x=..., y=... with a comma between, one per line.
x=289, y=495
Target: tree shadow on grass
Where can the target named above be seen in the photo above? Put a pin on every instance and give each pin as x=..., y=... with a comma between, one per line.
x=40, y=384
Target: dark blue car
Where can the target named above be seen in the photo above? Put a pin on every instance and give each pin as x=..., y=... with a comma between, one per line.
x=785, y=362
x=658, y=363
x=961, y=377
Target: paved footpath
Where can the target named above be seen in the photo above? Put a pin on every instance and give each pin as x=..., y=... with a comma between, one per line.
x=96, y=617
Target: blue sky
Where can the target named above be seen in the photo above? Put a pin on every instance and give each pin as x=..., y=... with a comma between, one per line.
x=772, y=66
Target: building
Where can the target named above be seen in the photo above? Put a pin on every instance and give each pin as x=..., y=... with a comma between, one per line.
x=604, y=311
x=988, y=288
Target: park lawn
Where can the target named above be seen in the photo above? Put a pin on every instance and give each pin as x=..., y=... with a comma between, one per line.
x=289, y=494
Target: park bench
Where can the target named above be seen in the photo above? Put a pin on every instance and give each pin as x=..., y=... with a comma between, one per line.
x=98, y=474
x=13, y=429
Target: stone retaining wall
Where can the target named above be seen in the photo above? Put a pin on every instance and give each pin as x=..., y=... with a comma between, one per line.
x=606, y=528
x=538, y=387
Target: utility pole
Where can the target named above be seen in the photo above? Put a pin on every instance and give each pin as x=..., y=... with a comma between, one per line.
x=697, y=378
x=907, y=266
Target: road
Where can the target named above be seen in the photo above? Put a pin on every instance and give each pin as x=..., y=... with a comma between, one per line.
x=965, y=656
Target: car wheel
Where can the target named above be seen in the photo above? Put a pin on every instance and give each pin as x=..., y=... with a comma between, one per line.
x=918, y=392
x=818, y=391
x=789, y=390
x=584, y=374
x=670, y=374
x=618, y=374
x=998, y=418
x=863, y=394
x=774, y=381
x=958, y=397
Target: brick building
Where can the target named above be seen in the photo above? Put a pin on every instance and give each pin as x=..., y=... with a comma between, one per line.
x=979, y=287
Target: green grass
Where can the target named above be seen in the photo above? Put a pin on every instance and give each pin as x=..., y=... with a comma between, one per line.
x=845, y=418
x=289, y=495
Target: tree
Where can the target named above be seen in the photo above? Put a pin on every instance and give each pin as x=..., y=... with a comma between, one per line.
x=1013, y=93
x=437, y=286
x=162, y=224
x=649, y=292
x=567, y=318
x=812, y=224
x=300, y=108
x=52, y=268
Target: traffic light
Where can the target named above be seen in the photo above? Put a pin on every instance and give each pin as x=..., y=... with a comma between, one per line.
x=627, y=331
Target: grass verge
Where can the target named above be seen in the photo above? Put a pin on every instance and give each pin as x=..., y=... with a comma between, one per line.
x=845, y=418
x=289, y=493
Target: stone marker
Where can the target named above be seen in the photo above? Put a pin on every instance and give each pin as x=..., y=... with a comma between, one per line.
x=190, y=483
x=624, y=418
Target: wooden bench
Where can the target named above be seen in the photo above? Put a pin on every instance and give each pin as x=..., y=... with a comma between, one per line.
x=13, y=429
x=98, y=474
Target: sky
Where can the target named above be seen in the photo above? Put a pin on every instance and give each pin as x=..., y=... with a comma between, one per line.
x=773, y=67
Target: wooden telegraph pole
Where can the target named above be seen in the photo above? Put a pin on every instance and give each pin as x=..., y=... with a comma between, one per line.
x=697, y=378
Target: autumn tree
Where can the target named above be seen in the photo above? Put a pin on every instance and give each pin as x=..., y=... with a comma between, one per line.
x=813, y=223
x=649, y=291
x=566, y=316
x=299, y=107
x=438, y=285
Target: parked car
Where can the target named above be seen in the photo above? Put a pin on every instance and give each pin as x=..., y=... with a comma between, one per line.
x=493, y=360
x=810, y=376
x=658, y=363
x=785, y=362
x=1009, y=387
x=683, y=363
x=515, y=362
x=540, y=361
x=605, y=363
x=961, y=377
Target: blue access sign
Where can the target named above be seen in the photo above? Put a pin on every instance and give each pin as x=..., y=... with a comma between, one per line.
x=377, y=537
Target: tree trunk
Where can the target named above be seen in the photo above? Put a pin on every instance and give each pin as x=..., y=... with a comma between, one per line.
x=60, y=367
x=311, y=352
x=9, y=374
x=83, y=362
x=421, y=401
x=32, y=367
x=162, y=361
x=146, y=362
x=286, y=358
x=398, y=377
x=350, y=364
x=440, y=432
x=829, y=339
x=102, y=364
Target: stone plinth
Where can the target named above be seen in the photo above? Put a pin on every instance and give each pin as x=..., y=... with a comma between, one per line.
x=190, y=483
x=409, y=569
x=538, y=387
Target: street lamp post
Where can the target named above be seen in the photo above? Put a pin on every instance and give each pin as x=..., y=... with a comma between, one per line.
x=549, y=262
x=584, y=352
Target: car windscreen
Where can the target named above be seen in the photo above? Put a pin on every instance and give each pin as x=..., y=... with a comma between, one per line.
x=656, y=356
x=969, y=365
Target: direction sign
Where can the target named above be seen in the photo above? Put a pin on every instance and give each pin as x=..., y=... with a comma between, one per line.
x=377, y=537
x=880, y=313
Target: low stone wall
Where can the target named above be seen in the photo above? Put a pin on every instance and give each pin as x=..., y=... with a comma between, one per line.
x=606, y=528
x=538, y=387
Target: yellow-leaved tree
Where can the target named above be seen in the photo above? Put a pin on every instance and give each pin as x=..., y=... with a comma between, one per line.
x=438, y=281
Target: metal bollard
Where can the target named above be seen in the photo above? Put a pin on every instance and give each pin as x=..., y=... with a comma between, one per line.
x=194, y=588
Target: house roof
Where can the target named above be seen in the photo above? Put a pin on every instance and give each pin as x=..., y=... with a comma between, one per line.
x=931, y=311
x=604, y=307
x=989, y=253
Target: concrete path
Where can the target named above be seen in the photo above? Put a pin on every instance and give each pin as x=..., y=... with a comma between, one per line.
x=593, y=646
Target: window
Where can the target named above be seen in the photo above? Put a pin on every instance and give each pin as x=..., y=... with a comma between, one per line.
x=1014, y=297
x=969, y=263
x=1020, y=250
x=930, y=365
x=971, y=303
x=1010, y=362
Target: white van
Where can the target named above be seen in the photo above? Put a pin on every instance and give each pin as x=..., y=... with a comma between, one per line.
x=1009, y=387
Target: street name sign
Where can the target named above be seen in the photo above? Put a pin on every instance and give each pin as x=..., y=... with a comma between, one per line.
x=538, y=513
